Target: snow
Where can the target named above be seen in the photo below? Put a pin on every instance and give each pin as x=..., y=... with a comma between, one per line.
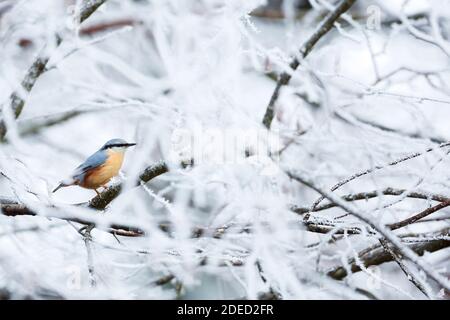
x=190, y=81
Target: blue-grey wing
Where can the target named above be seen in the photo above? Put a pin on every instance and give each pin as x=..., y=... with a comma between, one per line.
x=94, y=161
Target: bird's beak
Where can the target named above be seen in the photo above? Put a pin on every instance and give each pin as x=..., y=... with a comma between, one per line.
x=130, y=144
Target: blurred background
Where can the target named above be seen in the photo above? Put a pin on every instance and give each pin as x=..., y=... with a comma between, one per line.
x=166, y=74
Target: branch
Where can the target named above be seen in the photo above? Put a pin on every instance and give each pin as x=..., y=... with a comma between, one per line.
x=397, y=258
x=285, y=77
x=108, y=25
x=33, y=127
x=373, y=194
x=405, y=251
x=11, y=208
x=376, y=168
x=90, y=257
x=376, y=255
x=384, y=128
x=17, y=209
x=16, y=101
x=89, y=8
x=423, y=214
x=103, y=199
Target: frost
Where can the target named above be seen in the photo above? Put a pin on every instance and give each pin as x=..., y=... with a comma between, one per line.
x=211, y=203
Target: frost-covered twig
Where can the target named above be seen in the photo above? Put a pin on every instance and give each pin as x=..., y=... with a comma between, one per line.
x=103, y=199
x=383, y=128
x=87, y=238
x=375, y=168
x=409, y=274
x=17, y=209
x=33, y=127
x=17, y=101
x=420, y=215
x=89, y=30
x=375, y=255
x=373, y=194
x=272, y=294
x=88, y=7
x=381, y=229
x=306, y=48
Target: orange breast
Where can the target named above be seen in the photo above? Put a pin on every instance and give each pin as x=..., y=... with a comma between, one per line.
x=101, y=175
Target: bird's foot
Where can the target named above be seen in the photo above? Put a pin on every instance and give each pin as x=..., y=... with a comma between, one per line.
x=86, y=231
x=115, y=236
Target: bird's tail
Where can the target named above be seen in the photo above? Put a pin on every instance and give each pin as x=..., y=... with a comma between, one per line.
x=62, y=184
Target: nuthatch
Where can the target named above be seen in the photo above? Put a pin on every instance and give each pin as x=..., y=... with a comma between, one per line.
x=100, y=167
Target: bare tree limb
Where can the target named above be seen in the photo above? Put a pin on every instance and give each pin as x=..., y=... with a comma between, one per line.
x=373, y=194
x=306, y=48
x=33, y=127
x=103, y=199
x=89, y=30
x=423, y=214
x=375, y=255
x=397, y=258
x=11, y=208
x=88, y=8
x=87, y=238
x=17, y=101
x=17, y=209
x=390, y=130
x=381, y=229
x=375, y=168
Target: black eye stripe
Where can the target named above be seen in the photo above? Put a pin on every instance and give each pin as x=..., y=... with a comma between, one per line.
x=118, y=145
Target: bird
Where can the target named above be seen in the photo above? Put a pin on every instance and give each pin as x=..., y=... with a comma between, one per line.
x=100, y=167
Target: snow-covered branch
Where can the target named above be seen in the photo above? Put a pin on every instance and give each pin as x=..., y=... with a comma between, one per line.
x=17, y=98
x=306, y=48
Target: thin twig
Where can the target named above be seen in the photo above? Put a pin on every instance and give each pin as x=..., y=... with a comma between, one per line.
x=90, y=258
x=103, y=199
x=397, y=258
x=373, y=194
x=16, y=100
x=375, y=168
x=381, y=229
x=306, y=48
x=420, y=215
x=375, y=255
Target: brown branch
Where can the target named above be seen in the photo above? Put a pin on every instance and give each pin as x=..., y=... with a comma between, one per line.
x=91, y=30
x=381, y=229
x=11, y=208
x=376, y=255
x=397, y=258
x=164, y=280
x=108, y=25
x=373, y=194
x=420, y=215
x=17, y=209
x=375, y=168
x=318, y=227
x=89, y=8
x=103, y=199
x=306, y=48
x=16, y=100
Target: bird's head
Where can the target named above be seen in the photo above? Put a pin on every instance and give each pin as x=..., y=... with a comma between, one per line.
x=117, y=145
